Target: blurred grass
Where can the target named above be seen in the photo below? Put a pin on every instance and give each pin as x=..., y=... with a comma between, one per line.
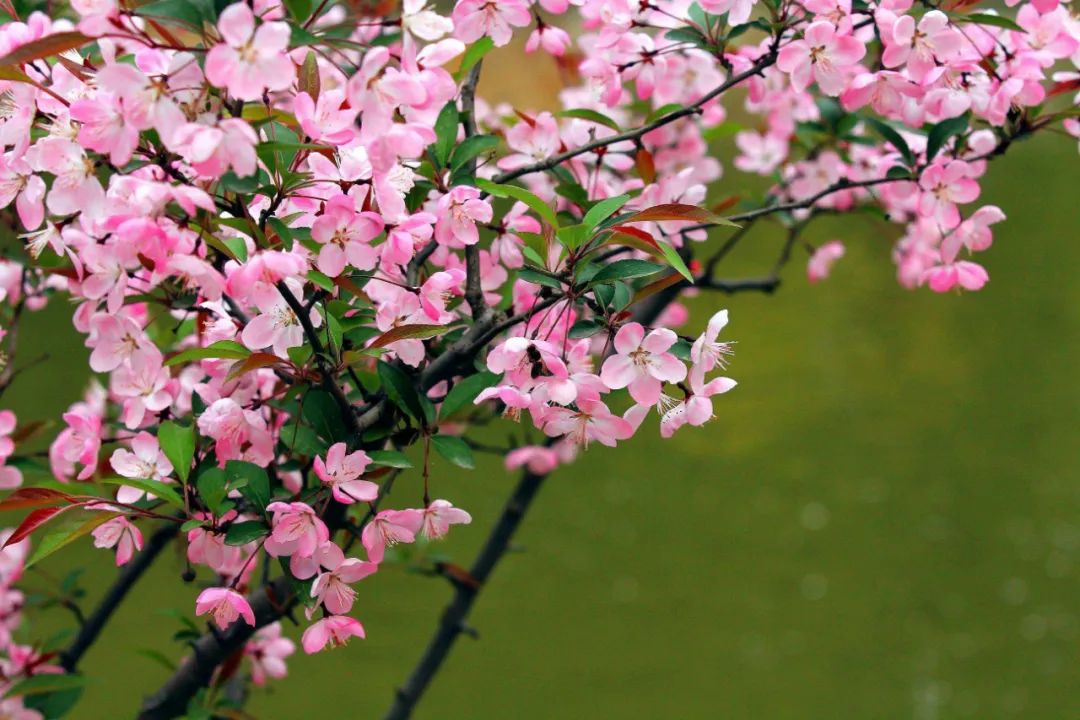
x=882, y=522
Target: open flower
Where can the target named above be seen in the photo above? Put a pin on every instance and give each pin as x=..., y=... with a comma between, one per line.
x=225, y=606
x=333, y=631
x=643, y=363
x=342, y=472
x=250, y=61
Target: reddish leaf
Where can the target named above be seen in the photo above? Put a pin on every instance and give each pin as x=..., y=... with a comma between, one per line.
x=646, y=168
x=726, y=204
x=656, y=286
x=408, y=332
x=635, y=238
x=1063, y=87
x=32, y=497
x=309, y=76
x=45, y=47
x=33, y=521
x=254, y=361
x=678, y=211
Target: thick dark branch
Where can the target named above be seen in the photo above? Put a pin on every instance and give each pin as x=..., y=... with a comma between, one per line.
x=129, y=575
x=453, y=618
x=474, y=294
x=208, y=652
x=325, y=370
x=636, y=134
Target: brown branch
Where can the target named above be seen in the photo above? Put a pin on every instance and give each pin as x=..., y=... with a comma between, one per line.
x=631, y=135
x=129, y=575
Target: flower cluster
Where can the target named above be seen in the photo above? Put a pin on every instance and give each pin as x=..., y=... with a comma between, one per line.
x=297, y=244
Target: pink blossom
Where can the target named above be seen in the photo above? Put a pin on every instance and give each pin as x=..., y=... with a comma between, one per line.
x=458, y=212
x=212, y=151
x=696, y=408
x=495, y=18
x=960, y=273
x=295, y=529
x=342, y=472
x=120, y=533
x=920, y=46
x=537, y=459
x=334, y=630
x=823, y=55
x=388, y=528
x=267, y=651
x=250, y=61
x=225, y=606
x=642, y=363
x=332, y=588
x=346, y=236
x=823, y=259
x=439, y=516
x=946, y=184
x=591, y=421
x=144, y=461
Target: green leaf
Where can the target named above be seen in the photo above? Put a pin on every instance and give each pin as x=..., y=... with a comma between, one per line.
x=676, y=261
x=401, y=391
x=591, y=116
x=323, y=414
x=178, y=443
x=537, y=205
x=283, y=231
x=465, y=391
x=308, y=78
x=539, y=278
x=317, y=278
x=154, y=487
x=446, y=129
x=244, y=532
x=455, y=450
x=687, y=34
x=470, y=148
x=585, y=328
x=941, y=133
x=226, y=349
x=299, y=9
x=183, y=11
x=602, y=210
x=65, y=534
x=211, y=485
x=238, y=248
x=389, y=458
x=45, y=683
x=897, y=172
x=894, y=138
x=473, y=54
x=255, y=485
x=574, y=236
x=626, y=269
x=987, y=19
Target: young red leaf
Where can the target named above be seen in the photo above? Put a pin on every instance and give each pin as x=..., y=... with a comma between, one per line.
x=32, y=497
x=678, y=211
x=45, y=47
x=33, y=521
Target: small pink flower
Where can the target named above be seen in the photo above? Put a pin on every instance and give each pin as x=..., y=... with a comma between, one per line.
x=250, y=61
x=120, y=533
x=225, y=606
x=537, y=459
x=334, y=631
x=961, y=273
x=295, y=529
x=436, y=292
x=707, y=352
x=823, y=55
x=346, y=237
x=332, y=588
x=342, y=472
x=823, y=259
x=439, y=516
x=389, y=528
x=267, y=651
x=144, y=461
x=458, y=212
x=592, y=420
x=944, y=186
x=642, y=363
x=495, y=18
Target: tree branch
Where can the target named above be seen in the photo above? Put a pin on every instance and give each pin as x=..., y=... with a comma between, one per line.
x=129, y=575
x=474, y=294
x=765, y=61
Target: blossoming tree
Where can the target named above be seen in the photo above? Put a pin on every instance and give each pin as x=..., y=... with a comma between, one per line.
x=298, y=244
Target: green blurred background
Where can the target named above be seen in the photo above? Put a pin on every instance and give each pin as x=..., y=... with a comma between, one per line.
x=882, y=522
